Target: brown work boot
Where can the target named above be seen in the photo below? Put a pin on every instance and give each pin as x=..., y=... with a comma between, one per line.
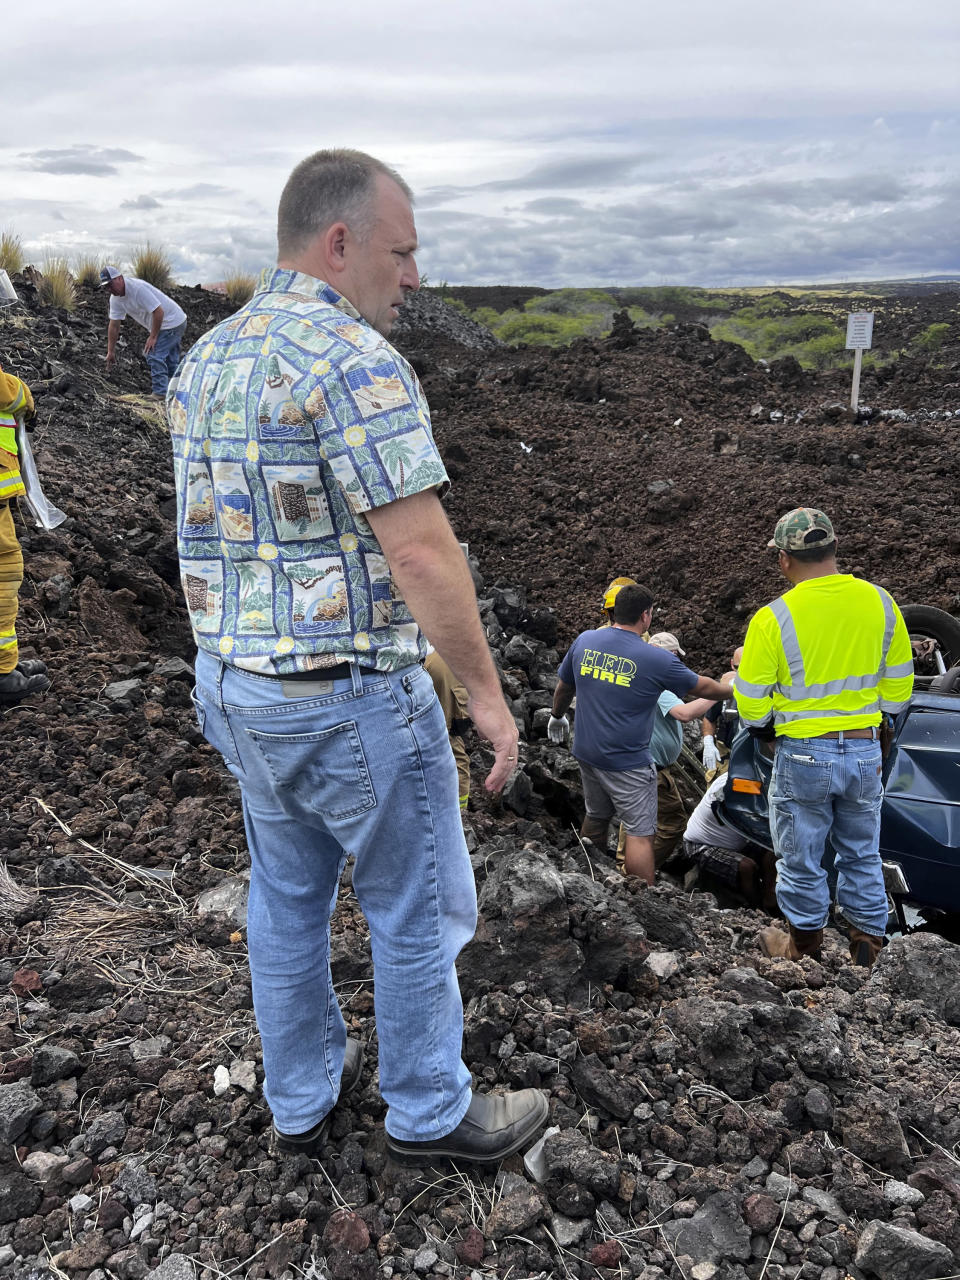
x=793, y=945
x=597, y=830
x=864, y=947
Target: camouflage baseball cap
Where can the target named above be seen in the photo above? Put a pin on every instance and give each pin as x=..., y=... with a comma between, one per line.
x=802, y=529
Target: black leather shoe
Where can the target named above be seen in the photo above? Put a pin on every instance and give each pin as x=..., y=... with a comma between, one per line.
x=311, y=1142
x=32, y=667
x=15, y=686
x=495, y=1126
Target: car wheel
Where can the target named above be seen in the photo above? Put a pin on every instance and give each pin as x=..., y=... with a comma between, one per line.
x=936, y=638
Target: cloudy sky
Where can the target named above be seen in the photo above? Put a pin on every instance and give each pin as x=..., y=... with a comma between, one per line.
x=550, y=142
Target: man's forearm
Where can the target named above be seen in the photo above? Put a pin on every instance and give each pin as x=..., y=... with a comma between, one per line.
x=156, y=321
x=113, y=330
x=688, y=711
x=712, y=690
x=438, y=590
x=431, y=574
x=562, y=698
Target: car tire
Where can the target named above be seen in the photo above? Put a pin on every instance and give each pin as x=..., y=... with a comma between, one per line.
x=935, y=624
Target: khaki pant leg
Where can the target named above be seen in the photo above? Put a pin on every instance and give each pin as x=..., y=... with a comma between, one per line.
x=621, y=845
x=463, y=769
x=671, y=817
x=11, y=576
x=453, y=702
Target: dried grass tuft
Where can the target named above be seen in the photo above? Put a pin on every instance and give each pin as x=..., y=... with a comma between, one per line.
x=239, y=287
x=56, y=285
x=151, y=262
x=86, y=269
x=11, y=252
x=13, y=897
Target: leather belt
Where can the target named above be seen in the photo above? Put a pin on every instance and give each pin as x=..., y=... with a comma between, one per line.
x=849, y=733
x=339, y=672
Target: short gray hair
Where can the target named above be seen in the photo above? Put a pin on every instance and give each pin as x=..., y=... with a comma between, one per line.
x=330, y=186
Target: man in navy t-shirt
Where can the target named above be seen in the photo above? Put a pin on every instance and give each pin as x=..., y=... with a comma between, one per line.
x=617, y=678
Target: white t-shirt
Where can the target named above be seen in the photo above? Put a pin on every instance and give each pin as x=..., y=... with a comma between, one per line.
x=139, y=303
x=703, y=827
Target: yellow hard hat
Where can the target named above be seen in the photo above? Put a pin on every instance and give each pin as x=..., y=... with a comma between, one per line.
x=611, y=592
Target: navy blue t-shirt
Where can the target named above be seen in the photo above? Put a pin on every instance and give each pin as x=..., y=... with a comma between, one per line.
x=618, y=678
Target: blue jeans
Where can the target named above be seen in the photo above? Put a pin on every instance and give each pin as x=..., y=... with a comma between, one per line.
x=165, y=357
x=359, y=766
x=828, y=789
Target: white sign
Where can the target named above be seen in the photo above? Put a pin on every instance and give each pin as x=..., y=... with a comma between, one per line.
x=859, y=330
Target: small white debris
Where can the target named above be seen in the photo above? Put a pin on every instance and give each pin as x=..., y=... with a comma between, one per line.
x=527, y=448
x=141, y=1225
x=678, y=422
x=663, y=963
x=244, y=1075
x=221, y=1081
x=534, y=1162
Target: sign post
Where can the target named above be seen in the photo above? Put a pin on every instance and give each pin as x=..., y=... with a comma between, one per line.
x=859, y=339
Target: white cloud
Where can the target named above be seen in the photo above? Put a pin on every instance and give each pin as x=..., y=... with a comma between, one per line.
x=623, y=143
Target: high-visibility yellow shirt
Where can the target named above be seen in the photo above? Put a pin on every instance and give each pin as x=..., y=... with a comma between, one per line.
x=832, y=653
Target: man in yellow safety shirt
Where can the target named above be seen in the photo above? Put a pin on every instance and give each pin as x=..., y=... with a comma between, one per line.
x=18, y=679
x=821, y=667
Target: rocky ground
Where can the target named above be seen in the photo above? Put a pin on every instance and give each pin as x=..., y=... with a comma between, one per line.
x=717, y=1115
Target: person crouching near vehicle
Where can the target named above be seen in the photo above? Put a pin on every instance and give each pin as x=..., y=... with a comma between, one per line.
x=726, y=855
x=821, y=667
x=617, y=678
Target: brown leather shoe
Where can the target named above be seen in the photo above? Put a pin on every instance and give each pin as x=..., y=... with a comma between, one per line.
x=864, y=947
x=495, y=1126
x=793, y=945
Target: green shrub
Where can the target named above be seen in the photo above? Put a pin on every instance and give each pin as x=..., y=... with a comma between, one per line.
x=457, y=303
x=537, y=330
x=812, y=338
x=239, y=287
x=489, y=318
x=643, y=319
x=824, y=352
x=573, y=302
x=152, y=263
x=56, y=287
x=932, y=338
x=11, y=252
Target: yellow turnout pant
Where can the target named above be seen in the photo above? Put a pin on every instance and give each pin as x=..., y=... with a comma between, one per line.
x=11, y=576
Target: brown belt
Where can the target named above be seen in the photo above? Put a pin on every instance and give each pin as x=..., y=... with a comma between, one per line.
x=849, y=733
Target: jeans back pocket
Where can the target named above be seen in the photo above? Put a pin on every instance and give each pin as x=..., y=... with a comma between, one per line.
x=324, y=772
x=800, y=776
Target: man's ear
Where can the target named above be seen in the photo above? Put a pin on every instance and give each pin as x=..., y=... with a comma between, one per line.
x=335, y=241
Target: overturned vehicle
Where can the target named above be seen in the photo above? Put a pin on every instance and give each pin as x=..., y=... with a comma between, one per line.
x=920, y=817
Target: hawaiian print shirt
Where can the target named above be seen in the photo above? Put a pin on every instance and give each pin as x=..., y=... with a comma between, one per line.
x=290, y=420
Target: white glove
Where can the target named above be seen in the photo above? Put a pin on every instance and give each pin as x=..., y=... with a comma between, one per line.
x=711, y=756
x=558, y=730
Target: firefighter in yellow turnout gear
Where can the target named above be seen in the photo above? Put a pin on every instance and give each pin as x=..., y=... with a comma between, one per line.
x=17, y=679
x=821, y=667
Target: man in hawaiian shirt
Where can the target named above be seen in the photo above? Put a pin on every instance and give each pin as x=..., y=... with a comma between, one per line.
x=317, y=561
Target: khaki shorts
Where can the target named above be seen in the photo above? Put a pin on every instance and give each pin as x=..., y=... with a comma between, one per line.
x=631, y=794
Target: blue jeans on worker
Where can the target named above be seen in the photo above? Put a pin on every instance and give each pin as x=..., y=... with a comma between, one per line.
x=828, y=789
x=357, y=766
x=165, y=357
